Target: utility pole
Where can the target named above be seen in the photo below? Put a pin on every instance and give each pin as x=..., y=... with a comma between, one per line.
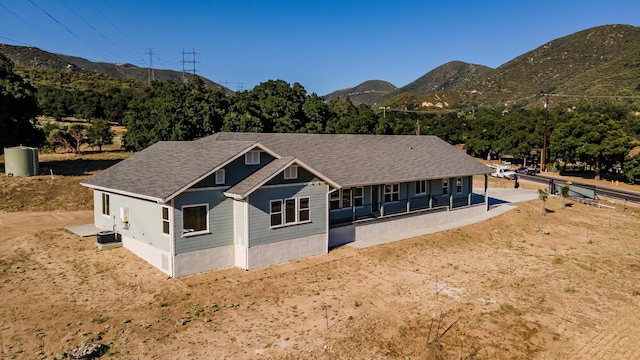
x=384, y=111
x=543, y=157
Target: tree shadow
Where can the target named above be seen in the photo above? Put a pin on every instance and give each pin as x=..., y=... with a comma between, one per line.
x=75, y=167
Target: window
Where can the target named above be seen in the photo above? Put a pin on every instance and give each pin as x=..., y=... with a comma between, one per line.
x=334, y=200
x=220, y=177
x=276, y=212
x=445, y=186
x=105, y=204
x=421, y=187
x=195, y=219
x=165, y=220
x=459, y=185
x=252, y=157
x=303, y=209
x=291, y=172
x=289, y=211
x=358, y=196
x=346, y=198
x=391, y=192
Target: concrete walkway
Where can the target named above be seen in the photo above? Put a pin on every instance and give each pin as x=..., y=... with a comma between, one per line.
x=501, y=200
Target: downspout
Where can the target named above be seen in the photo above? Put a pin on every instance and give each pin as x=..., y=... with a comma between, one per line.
x=246, y=231
x=172, y=243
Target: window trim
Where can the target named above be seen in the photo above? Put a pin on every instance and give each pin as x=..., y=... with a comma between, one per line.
x=301, y=209
x=291, y=172
x=297, y=210
x=220, y=177
x=252, y=157
x=358, y=197
x=166, y=221
x=445, y=186
x=271, y=213
x=106, y=205
x=346, y=201
x=459, y=183
x=335, y=197
x=198, y=232
x=421, y=185
x=395, y=190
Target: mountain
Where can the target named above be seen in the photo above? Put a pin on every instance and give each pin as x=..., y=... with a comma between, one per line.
x=35, y=58
x=369, y=92
x=600, y=61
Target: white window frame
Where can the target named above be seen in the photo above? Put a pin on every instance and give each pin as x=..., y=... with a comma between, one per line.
x=297, y=210
x=196, y=232
x=252, y=157
x=278, y=213
x=345, y=200
x=291, y=172
x=106, y=205
x=358, y=198
x=421, y=187
x=166, y=221
x=294, y=211
x=335, y=197
x=459, y=185
x=220, y=177
x=394, y=192
x=445, y=186
x=301, y=210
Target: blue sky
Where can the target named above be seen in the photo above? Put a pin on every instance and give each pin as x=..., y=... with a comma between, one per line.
x=323, y=45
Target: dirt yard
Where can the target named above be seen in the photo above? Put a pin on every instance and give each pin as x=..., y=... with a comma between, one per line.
x=502, y=289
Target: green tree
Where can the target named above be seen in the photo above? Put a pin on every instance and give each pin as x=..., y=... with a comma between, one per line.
x=100, y=133
x=70, y=137
x=593, y=138
x=632, y=164
x=18, y=109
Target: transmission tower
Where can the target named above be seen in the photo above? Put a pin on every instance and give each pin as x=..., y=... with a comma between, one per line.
x=240, y=87
x=152, y=75
x=193, y=62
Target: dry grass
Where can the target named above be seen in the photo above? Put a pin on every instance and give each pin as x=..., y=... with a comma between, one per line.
x=501, y=290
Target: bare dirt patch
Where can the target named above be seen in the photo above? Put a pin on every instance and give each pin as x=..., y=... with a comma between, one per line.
x=504, y=291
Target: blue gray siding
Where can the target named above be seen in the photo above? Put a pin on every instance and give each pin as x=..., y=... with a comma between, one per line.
x=145, y=219
x=259, y=213
x=220, y=220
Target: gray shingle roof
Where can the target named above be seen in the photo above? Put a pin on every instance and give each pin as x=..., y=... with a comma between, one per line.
x=165, y=169
x=353, y=160
x=266, y=173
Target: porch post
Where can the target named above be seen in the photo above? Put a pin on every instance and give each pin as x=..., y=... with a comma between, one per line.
x=408, y=200
x=470, y=190
x=430, y=195
x=486, y=193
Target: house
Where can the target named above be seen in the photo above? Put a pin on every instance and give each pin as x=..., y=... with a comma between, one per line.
x=252, y=200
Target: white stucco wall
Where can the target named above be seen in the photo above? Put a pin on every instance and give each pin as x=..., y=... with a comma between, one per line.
x=403, y=227
x=283, y=251
x=194, y=262
x=152, y=255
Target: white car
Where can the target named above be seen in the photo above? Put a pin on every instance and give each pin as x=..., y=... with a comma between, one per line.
x=504, y=172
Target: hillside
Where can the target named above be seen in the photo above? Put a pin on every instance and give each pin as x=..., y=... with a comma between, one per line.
x=600, y=61
x=34, y=59
x=369, y=92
